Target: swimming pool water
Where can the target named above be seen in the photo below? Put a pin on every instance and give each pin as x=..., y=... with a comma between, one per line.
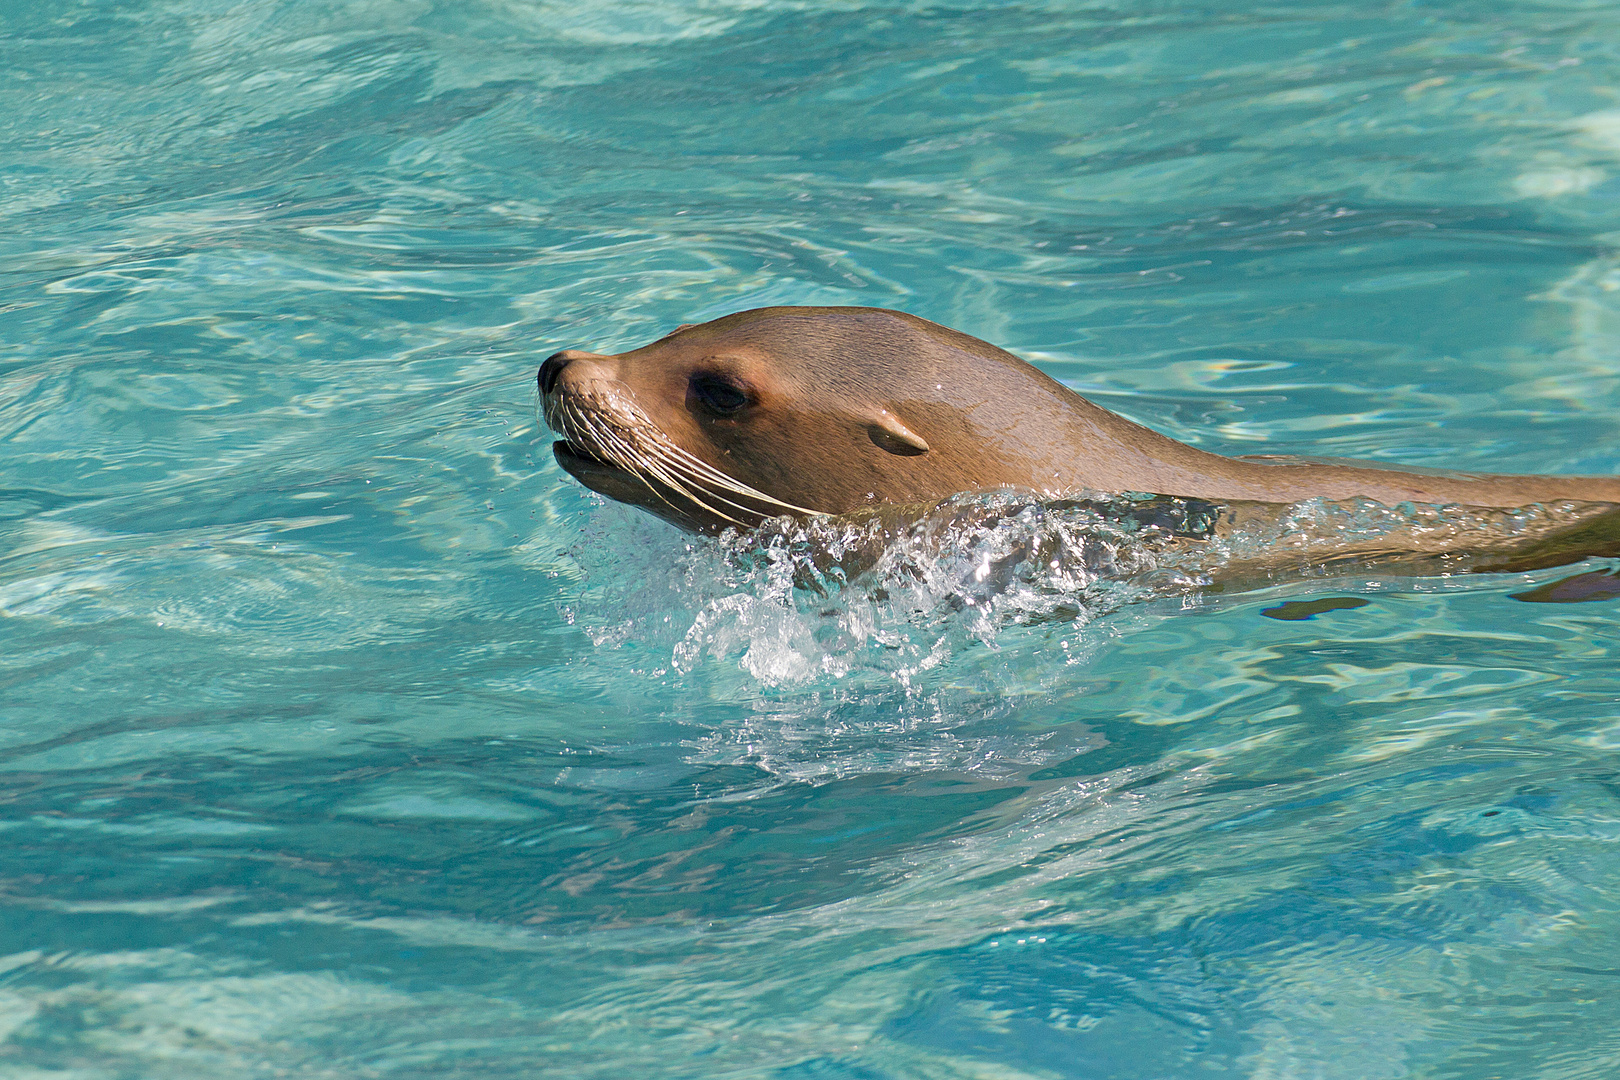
x=344, y=736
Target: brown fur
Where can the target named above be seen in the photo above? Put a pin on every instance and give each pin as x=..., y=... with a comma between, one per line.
x=840, y=399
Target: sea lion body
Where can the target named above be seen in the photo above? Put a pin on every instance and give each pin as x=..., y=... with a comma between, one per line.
x=837, y=410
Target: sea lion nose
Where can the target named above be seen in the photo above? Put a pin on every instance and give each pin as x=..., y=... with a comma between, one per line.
x=554, y=364
x=553, y=367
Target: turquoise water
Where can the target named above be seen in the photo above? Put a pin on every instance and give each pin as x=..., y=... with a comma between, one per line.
x=344, y=736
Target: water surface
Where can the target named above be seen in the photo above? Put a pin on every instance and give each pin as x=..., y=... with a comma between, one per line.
x=344, y=736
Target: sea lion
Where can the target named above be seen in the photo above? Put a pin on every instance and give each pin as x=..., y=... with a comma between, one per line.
x=839, y=410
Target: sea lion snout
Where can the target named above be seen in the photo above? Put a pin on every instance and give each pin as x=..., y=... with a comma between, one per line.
x=554, y=364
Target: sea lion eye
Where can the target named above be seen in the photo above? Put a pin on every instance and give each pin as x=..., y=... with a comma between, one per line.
x=717, y=394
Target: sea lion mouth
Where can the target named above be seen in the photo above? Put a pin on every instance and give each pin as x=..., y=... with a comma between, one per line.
x=568, y=453
x=622, y=485
x=675, y=505
x=594, y=471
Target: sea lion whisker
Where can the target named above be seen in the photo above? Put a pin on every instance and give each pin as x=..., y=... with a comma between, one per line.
x=728, y=495
x=673, y=478
x=614, y=447
x=705, y=476
x=648, y=454
x=659, y=470
x=567, y=422
x=660, y=473
x=637, y=461
x=708, y=488
x=617, y=451
x=599, y=438
x=730, y=483
x=571, y=431
x=723, y=482
x=562, y=414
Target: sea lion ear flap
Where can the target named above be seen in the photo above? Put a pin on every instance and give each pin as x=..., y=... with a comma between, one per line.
x=886, y=430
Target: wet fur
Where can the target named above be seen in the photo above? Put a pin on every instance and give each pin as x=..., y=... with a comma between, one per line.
x=860, y=409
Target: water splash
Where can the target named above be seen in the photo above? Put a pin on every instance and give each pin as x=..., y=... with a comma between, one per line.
x=832, y=598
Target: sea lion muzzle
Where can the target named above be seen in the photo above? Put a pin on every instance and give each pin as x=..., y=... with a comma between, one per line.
x=552, y=367
x=637, y=445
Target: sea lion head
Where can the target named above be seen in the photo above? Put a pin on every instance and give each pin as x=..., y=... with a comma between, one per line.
x=799, y=411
